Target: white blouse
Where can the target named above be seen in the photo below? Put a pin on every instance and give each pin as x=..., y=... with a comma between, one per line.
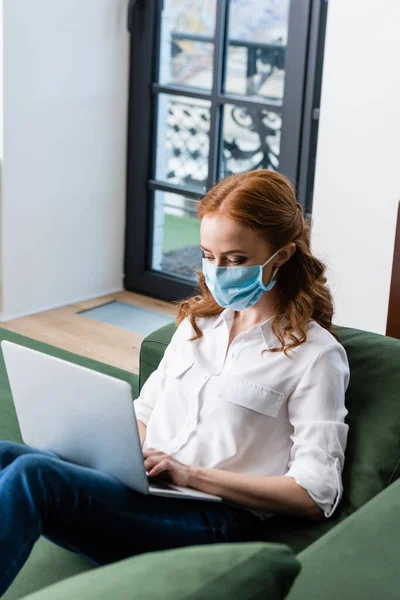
x=251, y=411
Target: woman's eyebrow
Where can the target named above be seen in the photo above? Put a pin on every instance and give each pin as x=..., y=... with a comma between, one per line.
x=228, y=252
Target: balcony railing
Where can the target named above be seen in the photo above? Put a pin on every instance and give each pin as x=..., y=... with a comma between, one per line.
x=250, y=138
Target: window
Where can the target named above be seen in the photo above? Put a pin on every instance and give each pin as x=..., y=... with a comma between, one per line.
x=217, y=87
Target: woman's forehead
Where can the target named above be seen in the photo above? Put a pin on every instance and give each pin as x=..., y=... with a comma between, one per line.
x=222, y=233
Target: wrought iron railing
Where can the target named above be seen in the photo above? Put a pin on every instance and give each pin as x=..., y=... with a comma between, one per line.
x=251, y=134
x=272, y=54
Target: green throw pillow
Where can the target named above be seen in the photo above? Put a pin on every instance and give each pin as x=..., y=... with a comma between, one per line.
x=249, y=571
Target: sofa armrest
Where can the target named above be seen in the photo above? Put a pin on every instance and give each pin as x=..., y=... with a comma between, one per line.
x=221, y=571
x=358, y=558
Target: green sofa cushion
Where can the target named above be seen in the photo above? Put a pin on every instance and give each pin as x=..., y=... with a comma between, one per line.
x=248, y=571
x=152, y=350
x=47, y=563
x=373, y=449
x=357, y=559
x=373, y=401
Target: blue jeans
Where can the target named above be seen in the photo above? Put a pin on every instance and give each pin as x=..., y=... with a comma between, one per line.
x=97, y=516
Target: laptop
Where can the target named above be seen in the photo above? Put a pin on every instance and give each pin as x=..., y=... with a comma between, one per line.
x=82, y=416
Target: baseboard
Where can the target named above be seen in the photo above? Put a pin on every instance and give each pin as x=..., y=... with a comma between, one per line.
x=4, y=318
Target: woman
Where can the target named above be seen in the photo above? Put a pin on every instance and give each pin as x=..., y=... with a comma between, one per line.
x=247, y=403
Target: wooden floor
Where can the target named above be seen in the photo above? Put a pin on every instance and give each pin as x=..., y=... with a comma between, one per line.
x=62, y=327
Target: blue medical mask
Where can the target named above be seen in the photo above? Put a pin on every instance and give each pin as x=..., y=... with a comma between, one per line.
x=237, y=287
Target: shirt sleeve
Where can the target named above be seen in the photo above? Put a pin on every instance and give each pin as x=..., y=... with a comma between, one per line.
x=154, y=385
x=317, y=412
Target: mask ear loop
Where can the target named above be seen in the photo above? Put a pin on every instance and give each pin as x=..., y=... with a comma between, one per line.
x=274, y=274
x=271, y=257
x=269, y=260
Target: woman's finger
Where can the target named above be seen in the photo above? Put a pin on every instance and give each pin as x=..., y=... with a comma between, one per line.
x=151, y=461
x=151, y=451
x=161, y=466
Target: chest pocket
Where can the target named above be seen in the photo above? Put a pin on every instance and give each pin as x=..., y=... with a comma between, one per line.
x=179, y=365
x=259, y=398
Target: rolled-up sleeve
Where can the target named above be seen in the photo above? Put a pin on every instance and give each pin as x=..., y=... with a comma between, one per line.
x=154, y=385
x=316, y=410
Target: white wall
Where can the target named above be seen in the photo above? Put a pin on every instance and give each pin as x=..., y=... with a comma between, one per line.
x=357, y=186
x=65, y=123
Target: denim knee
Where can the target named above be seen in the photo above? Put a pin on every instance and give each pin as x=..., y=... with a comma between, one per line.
x=34, y=473
x=32, y=463
x=7, y=446
x=9, y=451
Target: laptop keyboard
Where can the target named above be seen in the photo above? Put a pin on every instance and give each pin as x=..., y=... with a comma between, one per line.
x=159, y=486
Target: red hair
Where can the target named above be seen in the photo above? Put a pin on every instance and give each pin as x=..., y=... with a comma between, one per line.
x=266, y=202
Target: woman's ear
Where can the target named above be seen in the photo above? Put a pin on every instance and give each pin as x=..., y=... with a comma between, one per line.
x=292, y=248
x=285, y=254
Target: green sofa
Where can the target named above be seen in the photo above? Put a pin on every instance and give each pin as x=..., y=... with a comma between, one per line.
x=354, y=554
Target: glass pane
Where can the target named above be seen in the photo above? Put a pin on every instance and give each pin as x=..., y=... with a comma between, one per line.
x=176, y=236
x=186, y=44
x=251, y=138
x=256, y=51
x=183, y=142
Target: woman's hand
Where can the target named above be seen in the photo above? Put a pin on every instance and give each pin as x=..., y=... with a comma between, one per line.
x=158, y=463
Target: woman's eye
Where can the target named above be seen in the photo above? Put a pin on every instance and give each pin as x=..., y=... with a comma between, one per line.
x=235, y=262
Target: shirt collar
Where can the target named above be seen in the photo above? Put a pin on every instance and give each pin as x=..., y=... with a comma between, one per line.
x=269, y=338
x=225, y=316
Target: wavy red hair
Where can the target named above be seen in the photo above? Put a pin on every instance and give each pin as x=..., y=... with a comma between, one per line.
x=266, y=202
